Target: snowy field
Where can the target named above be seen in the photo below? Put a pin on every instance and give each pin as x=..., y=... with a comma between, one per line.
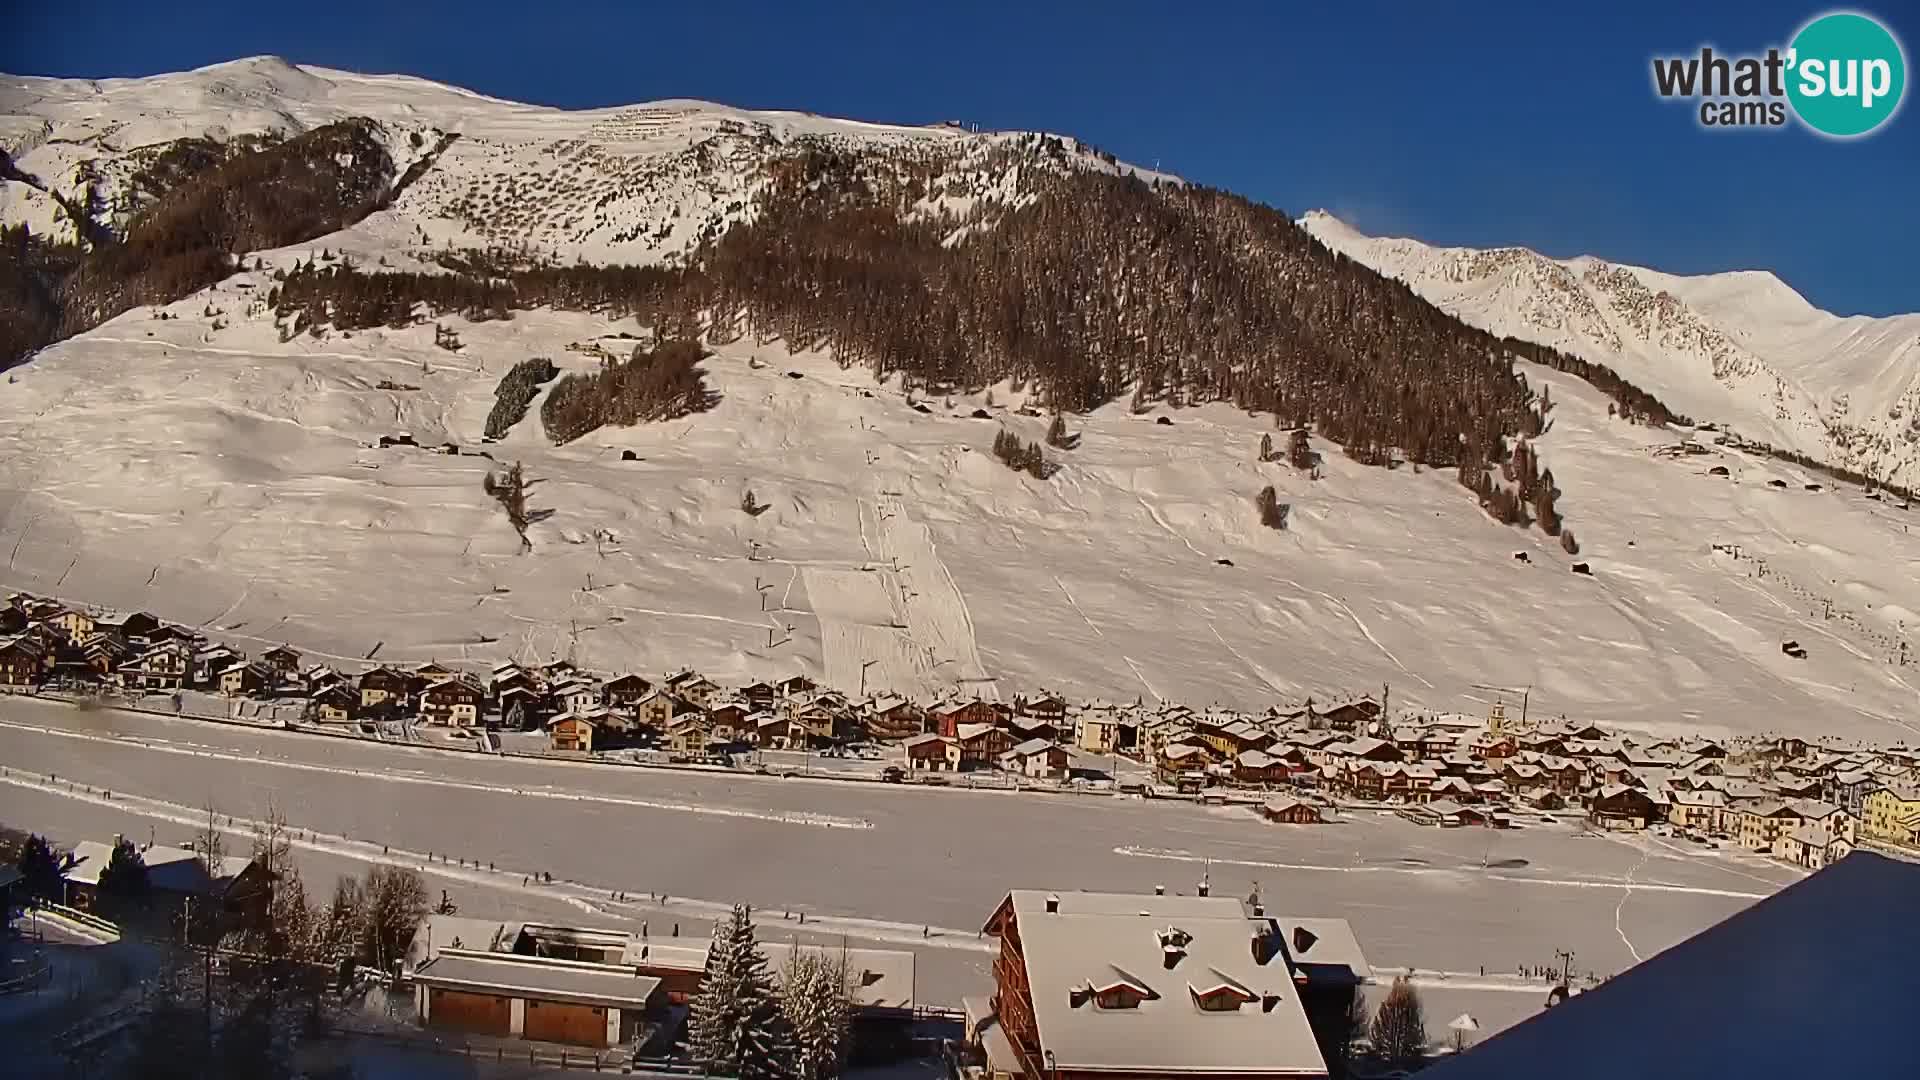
x=928, y=863
x=222, y=478
x=233, y=484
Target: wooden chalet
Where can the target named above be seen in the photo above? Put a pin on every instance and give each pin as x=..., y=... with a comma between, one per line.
x=454, y=702
x=981, y=745
x=760, y=694
x=948, y=717
x=244, y=678
x=1620, y=807
x=23, y=662
x=282, y=659
x=931, y=751
x=796, y=686
x=625, y=691
x=892, y=718
x=1049, y=707
x=692, y=687
x=1291, y=812
x=574, y=731
x=162, y=668
x=1036, y=758
x=1350, y=715
x=334, y=705
x=384, y=684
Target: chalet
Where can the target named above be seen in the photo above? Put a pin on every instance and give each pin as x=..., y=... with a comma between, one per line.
x=334, y=705
x=162, y=668
x=1453, y=788
x=245, y=678
x=520, y=706
x=127, y=625
x=1051, y=708
x=824, y=723
x=948, y=717
x=455, y=702
x=893, y=718
x=12, y=620
x=384, y=684
x=658, y=709
x=506, y=675
x=1176, y=759
x=283, y=660
x=103, y=654
x=208, y=662
x=688, y=732
x=728, y=714
x=1259, y=768
x=1619, y=807
x=574, y=694
x=557, y=671
x=1029, y=727
x=23, y=662
x=1449, y=815
x=432, y=673
x=760, y=694
x=771, y=731
x=1794, y=786
x=1036, y=758
x=1366, y=748
x=796, y=686
x=625, y=691
x=176, y=877
x=318, y=677
x=1351, y=715
x=573, y=731
x=1291, y=812
x=932, y=751
x=1104, y=985
x=1848, y=789
x=692, y=687
x=981, y=745
x=1228, y=737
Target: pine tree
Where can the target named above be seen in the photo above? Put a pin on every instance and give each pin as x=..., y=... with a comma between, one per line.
x=1567, y=543
x=736, y=1026
x=1399, y=1033
x=39, y=868
x=1266, y=447
x=124, y=879
x=816, y=996
x=1299, y=452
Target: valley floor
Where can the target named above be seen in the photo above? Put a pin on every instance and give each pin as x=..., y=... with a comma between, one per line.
x=912, y=868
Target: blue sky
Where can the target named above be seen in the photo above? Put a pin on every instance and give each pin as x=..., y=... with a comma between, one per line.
x=1503, y=122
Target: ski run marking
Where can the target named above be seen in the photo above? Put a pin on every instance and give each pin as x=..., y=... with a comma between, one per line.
x=820, y=821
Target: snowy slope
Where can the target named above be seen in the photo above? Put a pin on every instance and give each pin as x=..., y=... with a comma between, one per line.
x=1741, y=349
x=224, y=478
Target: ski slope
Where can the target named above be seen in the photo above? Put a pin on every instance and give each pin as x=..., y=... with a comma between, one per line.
x=224, y=478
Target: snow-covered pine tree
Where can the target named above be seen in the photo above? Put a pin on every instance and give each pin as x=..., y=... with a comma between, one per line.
x=816, y=994
x=736, y=1027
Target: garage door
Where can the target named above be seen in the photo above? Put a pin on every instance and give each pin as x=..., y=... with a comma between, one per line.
x=483, y=1014
x=553, y=1021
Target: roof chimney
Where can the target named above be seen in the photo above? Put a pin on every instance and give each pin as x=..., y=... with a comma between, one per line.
x=1053, y=904
x=1205, y=888
x=1259, y=911
x=1159, y=890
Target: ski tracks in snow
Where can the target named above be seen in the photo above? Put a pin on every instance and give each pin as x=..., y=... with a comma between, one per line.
x=1368, y=634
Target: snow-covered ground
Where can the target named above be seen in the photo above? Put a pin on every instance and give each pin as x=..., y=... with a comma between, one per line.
x=933, y=863
x=1740, y=349
x=229, y=480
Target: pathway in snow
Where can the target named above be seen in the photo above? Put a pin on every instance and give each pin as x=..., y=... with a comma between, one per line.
x=825, y=821
x=1622, y=906
x=1368, y=634
x=937, y=616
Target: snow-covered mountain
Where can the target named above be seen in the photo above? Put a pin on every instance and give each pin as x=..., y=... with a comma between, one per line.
x=1740, y=349
x=200, y=460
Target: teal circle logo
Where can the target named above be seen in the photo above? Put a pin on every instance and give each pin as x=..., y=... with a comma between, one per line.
x=1846, y=74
